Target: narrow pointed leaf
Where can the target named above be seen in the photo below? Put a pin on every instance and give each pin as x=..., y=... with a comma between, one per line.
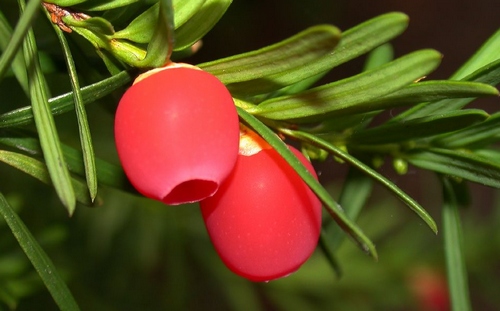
x=333, y=125
x=355, y=193
x=125, y=51
x=20, y=31
x=457, y=163
x=419, y=128
x=65, y=3
x=355, y=42
x=65, y=102
x=96, y=25
x=368, y=35
x=161, y=46
x=185, y=10
x=141, y=29
x=39, y=259
x=294, y=88
x=427, y=91
x=277, y=65
x=331, y=206
x=411, y=94
x=491, y=154
x=18, y=65
x=379, y=56
x=352, y=95
x=113, y=65
x=411, y=203
x=49, y=139
x=38, y=170
x=97, y=5
x=200, y=23
x=486, y=54
x=107, y=173
x=81, y=114
x=489, y=74
x=454, y=249
x=475, y=136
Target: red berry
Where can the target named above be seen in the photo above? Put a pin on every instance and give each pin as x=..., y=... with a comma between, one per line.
x=177, y=133
x=264, y=221
x=430, y=289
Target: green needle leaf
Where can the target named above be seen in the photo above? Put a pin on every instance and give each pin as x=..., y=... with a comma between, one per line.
x=244, y=77
x=200, y=23
x=97, y=5
x=18, y=65
x=65, y=103
x=277, y=65
x=81, y=114
x=368, y=35
x=42, y=263
x=185, y=10
x=486, y=54
x=489, y=74
x=413, y=93
x=45, y=125
x=379, y=56
x=355, y=193
x=352, y=95
x=427, y=91
x=107, y=174
x=97, y=25
x=65, y=3
x=453, y=248
x=491, y=154
x=331, y=206
x=355, y=42
x=457, y=163
x=475, y=136
x=412, y=204
x=99, y=32
x=418, y=128
x=22, y=27
x=350, y=122
x=123, y=50
x=141, y=29
x=161, y=46
x=38, y=170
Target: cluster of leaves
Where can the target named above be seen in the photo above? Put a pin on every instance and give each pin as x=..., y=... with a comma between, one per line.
x=275, y=91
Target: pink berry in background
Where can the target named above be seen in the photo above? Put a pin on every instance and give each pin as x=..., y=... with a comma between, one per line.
x=177, y=134
x=264, y=221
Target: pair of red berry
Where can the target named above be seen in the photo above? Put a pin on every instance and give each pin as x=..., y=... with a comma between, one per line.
x=179, y=140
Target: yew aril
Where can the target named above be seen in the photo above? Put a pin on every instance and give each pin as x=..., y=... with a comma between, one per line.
x=177, y=134
x=264, y=221
x=429, y=288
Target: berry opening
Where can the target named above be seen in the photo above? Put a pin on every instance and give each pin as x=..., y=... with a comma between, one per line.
x=191, y=191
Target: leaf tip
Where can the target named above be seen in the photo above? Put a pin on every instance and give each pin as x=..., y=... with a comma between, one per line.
x=70, y=207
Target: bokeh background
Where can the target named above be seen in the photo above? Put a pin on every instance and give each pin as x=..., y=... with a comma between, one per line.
x=134, y=254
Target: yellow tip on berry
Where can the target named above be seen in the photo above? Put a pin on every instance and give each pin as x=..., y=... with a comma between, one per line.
x=170, y=65
x=250, y=142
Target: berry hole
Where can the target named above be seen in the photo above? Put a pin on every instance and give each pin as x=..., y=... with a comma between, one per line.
x=191, y=191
